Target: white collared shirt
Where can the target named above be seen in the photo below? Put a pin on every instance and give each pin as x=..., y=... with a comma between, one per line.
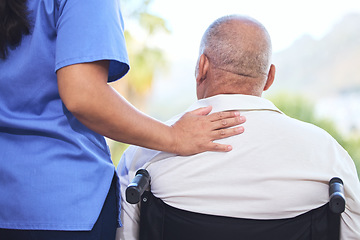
x=279, y=168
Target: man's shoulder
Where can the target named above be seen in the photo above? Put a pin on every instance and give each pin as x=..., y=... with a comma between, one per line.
x=309, y=135
x=307, y=128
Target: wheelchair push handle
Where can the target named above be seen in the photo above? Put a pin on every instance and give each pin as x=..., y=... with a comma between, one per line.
x=137, y=187
x=336, y=194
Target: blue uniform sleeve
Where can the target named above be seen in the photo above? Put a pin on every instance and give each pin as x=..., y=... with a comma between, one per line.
x=89, y=31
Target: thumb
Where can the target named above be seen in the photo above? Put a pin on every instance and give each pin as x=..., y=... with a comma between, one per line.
x=202, y=111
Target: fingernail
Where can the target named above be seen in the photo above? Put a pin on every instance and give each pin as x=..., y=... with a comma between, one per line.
x=237, y=113
x=242, y=118
x=229, y=148
x=240, y=129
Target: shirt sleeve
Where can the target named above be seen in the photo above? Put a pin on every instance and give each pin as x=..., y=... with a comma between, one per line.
x=130, y=214
x=89, y=31
x=350, y=218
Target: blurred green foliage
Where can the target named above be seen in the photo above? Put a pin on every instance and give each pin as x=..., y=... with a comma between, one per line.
x=117, y=149
x=299, y=107
x=144, y=58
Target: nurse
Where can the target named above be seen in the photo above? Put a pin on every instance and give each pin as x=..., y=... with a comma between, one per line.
x=57, y=180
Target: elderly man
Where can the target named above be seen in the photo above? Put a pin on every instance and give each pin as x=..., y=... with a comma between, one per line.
x=279, y=168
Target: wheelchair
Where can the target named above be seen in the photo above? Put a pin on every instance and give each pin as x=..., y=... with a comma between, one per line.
x=159, y=221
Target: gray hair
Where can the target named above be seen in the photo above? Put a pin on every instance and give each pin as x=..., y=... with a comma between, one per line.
x=235, y=49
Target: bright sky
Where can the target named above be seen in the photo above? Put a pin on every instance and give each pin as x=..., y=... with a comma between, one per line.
x=285, y=20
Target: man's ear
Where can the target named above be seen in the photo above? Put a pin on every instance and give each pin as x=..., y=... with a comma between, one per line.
x=270, y=77
x=202, y=69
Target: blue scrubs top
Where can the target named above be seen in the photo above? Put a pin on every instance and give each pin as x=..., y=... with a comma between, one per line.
x=55, y=173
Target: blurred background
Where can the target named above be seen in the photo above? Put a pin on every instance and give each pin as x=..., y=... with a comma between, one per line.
x=316, y=46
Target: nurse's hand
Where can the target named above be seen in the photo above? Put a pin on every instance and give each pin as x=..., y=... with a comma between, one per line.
x=196, y=131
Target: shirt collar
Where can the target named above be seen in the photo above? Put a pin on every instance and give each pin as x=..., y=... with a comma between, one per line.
x=227, y=102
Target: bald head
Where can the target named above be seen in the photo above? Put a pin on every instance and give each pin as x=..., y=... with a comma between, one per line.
x=237, y=52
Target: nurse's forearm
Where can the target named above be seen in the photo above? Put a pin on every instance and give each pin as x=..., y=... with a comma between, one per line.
x=85, y=92
x=113, y=117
